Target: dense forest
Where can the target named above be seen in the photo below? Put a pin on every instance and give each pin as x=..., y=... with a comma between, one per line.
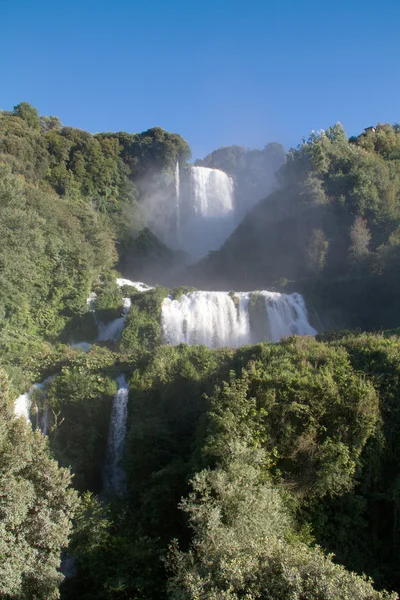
x=268, y=471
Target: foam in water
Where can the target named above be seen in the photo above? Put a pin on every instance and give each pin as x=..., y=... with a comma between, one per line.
x=139, y=285
x=206, y=211
x=114, y=478
x=219, y=319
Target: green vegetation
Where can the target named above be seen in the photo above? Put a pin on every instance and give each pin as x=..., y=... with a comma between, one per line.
x=70, y=207
x=36, y=507
x=143, y=324
x=268, y=471
x=180, y=291
x=79, y=400
x=108, y=302
x=332, y=230
x=276, y=448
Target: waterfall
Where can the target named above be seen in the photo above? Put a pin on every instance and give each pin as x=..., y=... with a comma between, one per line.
x=212, y=192
x=219, y=319
x=177, y=194
x=114, y=474
x=112, y=331
x=206, y=211
x=23, y=405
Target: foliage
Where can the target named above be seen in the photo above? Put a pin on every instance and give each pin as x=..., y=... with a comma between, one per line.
x=108, y=172
x=36, y=508
x=51, y=253
x=181, y=290
x=241, y=548
x=275, y=447
x=80, y=400
x=360, y=240
x=373, y=509
x=316, y=251
x=143, y=324
x=108, y=302
x=27, y=113
x=294, y=416
x=333, y=191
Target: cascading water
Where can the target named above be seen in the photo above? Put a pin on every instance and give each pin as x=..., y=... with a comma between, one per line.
x=177, y=194
x=23, y=405
x=219, y=319
x=206, y=211
x=212, y=192
x=114, y=476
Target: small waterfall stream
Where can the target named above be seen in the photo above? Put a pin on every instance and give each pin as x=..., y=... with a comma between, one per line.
x=114, y=475
x=23, y=405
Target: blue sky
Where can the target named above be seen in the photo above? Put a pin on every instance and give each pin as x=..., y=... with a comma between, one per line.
x=218, y=71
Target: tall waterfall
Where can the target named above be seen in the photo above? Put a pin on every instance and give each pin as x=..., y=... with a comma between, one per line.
x=178, y=208
x=114, y=473
x=206, y=211
x=212, y=192
x=219, y=319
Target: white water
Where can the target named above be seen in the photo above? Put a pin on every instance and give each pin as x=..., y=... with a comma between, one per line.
x=205, y=213
x=178, y=194
x=139, y=285
x=217, y=320
x=212, y=192
x=91, y=301
x=114, y=474
x=112, y=331
x=23, y=405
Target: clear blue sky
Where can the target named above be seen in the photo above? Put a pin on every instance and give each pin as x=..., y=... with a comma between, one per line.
x=218, y=71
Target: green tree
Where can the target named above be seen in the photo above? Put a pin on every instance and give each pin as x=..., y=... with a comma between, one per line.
x=28, y=113
x=245, y=546
x=50, y=123
x=36, y=507
x=316, y=251
x=360, y=237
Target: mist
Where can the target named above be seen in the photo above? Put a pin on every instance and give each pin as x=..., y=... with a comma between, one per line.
x=194, y=209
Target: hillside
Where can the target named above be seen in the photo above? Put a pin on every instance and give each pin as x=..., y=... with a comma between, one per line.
x=166, y=443
x=331, y=231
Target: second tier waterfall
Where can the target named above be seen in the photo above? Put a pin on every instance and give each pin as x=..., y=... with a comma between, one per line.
x=205, y=211
x=219, y=319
